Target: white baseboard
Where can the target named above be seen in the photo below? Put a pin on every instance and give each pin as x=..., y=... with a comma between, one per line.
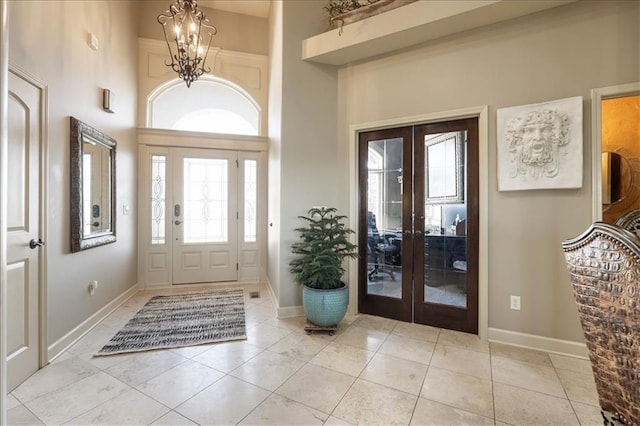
x=290, y=311
x=532, y=341
x=74, y=335
x=286, y=312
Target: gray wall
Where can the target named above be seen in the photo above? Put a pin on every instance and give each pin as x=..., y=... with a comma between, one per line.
x=275, y=146
x=555, y=54
x=304, y=162
x=49, y=41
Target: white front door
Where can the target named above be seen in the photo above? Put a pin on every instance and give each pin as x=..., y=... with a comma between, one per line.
x=204, y=215
x=25, y=113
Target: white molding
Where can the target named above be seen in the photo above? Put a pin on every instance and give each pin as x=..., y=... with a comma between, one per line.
x=411, y=24
x=185, y=139
x=228, y=65
x=4, y=93
x=290, y=311
x=597, y=95
x=482, y=113
x=541, y=343
x=286, y=312
x=62, y=344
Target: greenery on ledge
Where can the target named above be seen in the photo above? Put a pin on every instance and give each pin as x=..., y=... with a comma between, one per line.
x=336, y=8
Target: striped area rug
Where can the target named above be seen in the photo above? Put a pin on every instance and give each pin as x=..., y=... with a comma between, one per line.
x=182, y=320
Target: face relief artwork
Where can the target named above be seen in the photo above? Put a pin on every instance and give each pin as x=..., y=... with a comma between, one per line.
x=540, y=145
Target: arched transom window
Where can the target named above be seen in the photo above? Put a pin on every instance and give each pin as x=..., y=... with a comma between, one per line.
x=209, y=105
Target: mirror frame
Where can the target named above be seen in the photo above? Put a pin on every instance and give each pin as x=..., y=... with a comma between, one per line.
x=459, y=161
x=78, y=132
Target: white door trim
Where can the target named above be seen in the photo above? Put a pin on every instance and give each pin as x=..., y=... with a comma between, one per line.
x=4, y=94
x=480, y=112
x=597, y=95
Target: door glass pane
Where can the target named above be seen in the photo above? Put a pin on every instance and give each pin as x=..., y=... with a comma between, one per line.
x=384, y=218
x=206, y=200
x=445, y=251
x=250, y=200
x=158, y=198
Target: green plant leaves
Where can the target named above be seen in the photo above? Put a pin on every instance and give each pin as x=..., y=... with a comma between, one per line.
x=322, y=247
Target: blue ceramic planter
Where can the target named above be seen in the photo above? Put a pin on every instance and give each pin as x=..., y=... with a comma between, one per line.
x=325, y=308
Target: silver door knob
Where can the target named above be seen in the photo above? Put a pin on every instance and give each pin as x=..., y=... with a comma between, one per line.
x=177, y=222
x=34, y=244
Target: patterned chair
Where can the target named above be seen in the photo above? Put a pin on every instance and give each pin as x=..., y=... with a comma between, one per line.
x=630, y=221
x=604, y=268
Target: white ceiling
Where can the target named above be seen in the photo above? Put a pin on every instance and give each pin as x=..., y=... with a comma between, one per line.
x=259, y=8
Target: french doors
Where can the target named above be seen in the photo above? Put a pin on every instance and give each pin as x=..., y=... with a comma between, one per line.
x=419, y=224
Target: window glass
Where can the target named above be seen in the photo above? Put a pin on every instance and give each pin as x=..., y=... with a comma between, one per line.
x=158, y=200
x=207, y=106
x=250, y=200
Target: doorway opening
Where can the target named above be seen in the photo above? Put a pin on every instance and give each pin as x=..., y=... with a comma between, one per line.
x=615, y=144
x=620, y=156
x=419, y=191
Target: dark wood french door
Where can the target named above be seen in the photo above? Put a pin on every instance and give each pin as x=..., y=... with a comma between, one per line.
x=418, y=224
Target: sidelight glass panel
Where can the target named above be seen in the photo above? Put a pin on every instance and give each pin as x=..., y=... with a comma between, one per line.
x=445, y=251
x=206, y=200
x=158, y=198
x=250, y=200
x=384, y=218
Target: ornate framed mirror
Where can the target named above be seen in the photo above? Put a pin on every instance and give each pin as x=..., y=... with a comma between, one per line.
x=93, y=187
x=444, y=161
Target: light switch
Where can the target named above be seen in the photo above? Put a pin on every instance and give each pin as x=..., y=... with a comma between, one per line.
x=92, y=41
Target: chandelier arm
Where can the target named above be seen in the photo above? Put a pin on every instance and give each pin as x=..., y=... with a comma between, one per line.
x=204, y=61
x=164, y=29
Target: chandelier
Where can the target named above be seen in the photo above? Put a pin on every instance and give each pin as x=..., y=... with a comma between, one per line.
x=187, y=28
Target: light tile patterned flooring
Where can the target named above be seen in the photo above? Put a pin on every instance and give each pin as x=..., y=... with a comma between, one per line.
x=373, y=371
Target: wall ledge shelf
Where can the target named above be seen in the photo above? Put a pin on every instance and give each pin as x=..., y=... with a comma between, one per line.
x=412, y=24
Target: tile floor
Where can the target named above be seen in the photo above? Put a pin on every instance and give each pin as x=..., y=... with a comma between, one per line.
x=373, y=371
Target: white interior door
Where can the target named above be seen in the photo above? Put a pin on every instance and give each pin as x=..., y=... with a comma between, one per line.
x=23, y=223
x=205, y=216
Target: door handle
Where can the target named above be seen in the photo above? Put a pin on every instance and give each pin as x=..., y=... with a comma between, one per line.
x=177, y=222
x=418, y=232
x=33, y=244
x=407, y=233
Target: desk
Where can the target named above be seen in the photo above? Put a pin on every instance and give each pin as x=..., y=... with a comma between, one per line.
x=440, y=252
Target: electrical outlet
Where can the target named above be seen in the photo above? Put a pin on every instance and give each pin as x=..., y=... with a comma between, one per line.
x=515, y=303
x=93, y=285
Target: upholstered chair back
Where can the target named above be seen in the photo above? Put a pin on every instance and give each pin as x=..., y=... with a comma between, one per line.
x=604, y=269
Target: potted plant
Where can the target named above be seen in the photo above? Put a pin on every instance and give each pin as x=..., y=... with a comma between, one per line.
x=323, y=246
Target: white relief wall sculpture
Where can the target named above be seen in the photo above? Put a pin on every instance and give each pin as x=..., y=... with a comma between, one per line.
x=540, y=145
